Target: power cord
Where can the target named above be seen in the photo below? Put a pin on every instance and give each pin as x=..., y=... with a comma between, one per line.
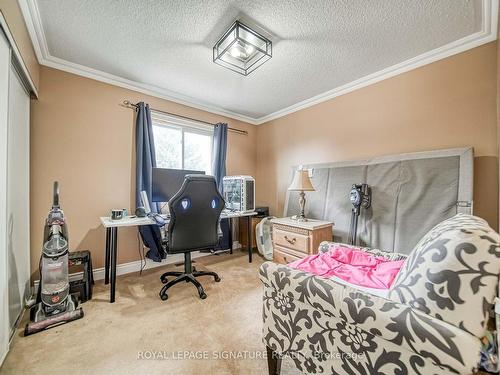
x=141, y=254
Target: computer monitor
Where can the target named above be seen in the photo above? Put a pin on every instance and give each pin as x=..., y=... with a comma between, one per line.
x=167, y=182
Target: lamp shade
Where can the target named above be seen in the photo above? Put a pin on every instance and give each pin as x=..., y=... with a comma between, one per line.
x=301, y=181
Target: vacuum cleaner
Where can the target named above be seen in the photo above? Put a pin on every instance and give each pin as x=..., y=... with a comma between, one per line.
x=55, y=305
x=360, y=197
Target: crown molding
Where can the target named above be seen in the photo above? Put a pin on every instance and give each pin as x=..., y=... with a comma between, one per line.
x=488, y=33
x=4, y=27
x=31, y=15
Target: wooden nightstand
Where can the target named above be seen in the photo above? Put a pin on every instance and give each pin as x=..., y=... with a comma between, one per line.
x=293, y=240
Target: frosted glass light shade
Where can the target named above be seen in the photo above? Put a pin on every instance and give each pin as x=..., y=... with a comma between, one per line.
x=242, y=49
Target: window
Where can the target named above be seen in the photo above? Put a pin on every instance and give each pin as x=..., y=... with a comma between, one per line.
x=182, y=144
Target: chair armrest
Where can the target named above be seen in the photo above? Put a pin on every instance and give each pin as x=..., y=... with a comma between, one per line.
x=441, y=343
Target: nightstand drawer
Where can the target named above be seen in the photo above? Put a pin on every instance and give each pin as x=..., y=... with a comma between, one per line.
x=295, y=241
x=282, y=257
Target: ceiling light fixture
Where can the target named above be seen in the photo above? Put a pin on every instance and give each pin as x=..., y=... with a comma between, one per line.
x=242, y=49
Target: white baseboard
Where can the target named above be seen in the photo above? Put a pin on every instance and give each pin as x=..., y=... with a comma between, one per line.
x=130, y=267
x=135, y=266
x=4, y=354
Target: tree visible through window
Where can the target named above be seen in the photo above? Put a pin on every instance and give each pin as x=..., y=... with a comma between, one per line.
x=180, y=146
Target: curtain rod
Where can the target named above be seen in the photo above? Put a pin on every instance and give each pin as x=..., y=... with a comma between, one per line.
x=129, y=104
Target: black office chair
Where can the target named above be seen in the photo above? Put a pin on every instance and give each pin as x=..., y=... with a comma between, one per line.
x=194, y=219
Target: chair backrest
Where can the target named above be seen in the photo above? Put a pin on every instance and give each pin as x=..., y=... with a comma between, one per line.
x=194, y=215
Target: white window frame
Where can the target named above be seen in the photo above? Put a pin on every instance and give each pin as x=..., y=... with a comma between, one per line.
x=184, y=125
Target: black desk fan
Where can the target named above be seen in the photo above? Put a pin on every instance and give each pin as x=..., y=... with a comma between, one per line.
x=360, y=197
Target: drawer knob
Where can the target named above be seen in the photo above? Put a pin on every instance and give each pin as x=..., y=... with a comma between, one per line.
x=290, y=241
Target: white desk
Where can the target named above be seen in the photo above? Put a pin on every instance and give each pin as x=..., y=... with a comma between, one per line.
x=133, y=221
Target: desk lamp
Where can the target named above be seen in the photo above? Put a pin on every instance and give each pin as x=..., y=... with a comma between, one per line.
x=301, y=182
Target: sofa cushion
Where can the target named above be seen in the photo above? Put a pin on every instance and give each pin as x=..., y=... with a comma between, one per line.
x=452, y=273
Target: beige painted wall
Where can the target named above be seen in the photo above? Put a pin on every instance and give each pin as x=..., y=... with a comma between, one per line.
x=83, y=138
x=450, y=103
x=498, y=112
x=15, y=21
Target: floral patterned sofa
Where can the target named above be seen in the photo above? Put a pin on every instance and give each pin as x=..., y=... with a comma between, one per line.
x=431, y=322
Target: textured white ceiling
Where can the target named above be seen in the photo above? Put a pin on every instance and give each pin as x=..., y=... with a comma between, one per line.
x=318, y=44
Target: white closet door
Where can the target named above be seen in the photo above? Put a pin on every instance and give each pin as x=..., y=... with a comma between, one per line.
x=4, y=90
x=18, y=236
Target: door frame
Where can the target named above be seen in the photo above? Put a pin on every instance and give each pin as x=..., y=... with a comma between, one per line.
x=14, y=55
x=4, y=123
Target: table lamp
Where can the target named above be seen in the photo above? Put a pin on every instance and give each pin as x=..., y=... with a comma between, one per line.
x=301, y=182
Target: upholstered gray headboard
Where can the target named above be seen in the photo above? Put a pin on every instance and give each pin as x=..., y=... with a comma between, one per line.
x=410, y=194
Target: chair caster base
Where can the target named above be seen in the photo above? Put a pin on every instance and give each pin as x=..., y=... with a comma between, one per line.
x=189, y=275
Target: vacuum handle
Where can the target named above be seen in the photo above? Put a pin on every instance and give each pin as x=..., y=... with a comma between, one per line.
x=55, y=202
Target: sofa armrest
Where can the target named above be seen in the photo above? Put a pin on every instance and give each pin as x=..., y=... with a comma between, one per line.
x=443, y=344
x=497, y=324
x=389, y=255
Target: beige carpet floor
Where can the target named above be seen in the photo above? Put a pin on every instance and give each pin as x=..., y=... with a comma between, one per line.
x=140, y=334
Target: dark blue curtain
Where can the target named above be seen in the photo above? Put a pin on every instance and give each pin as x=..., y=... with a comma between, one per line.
x=145, y=154
x=145, y=161
x=219, y=150
x=219, y=153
